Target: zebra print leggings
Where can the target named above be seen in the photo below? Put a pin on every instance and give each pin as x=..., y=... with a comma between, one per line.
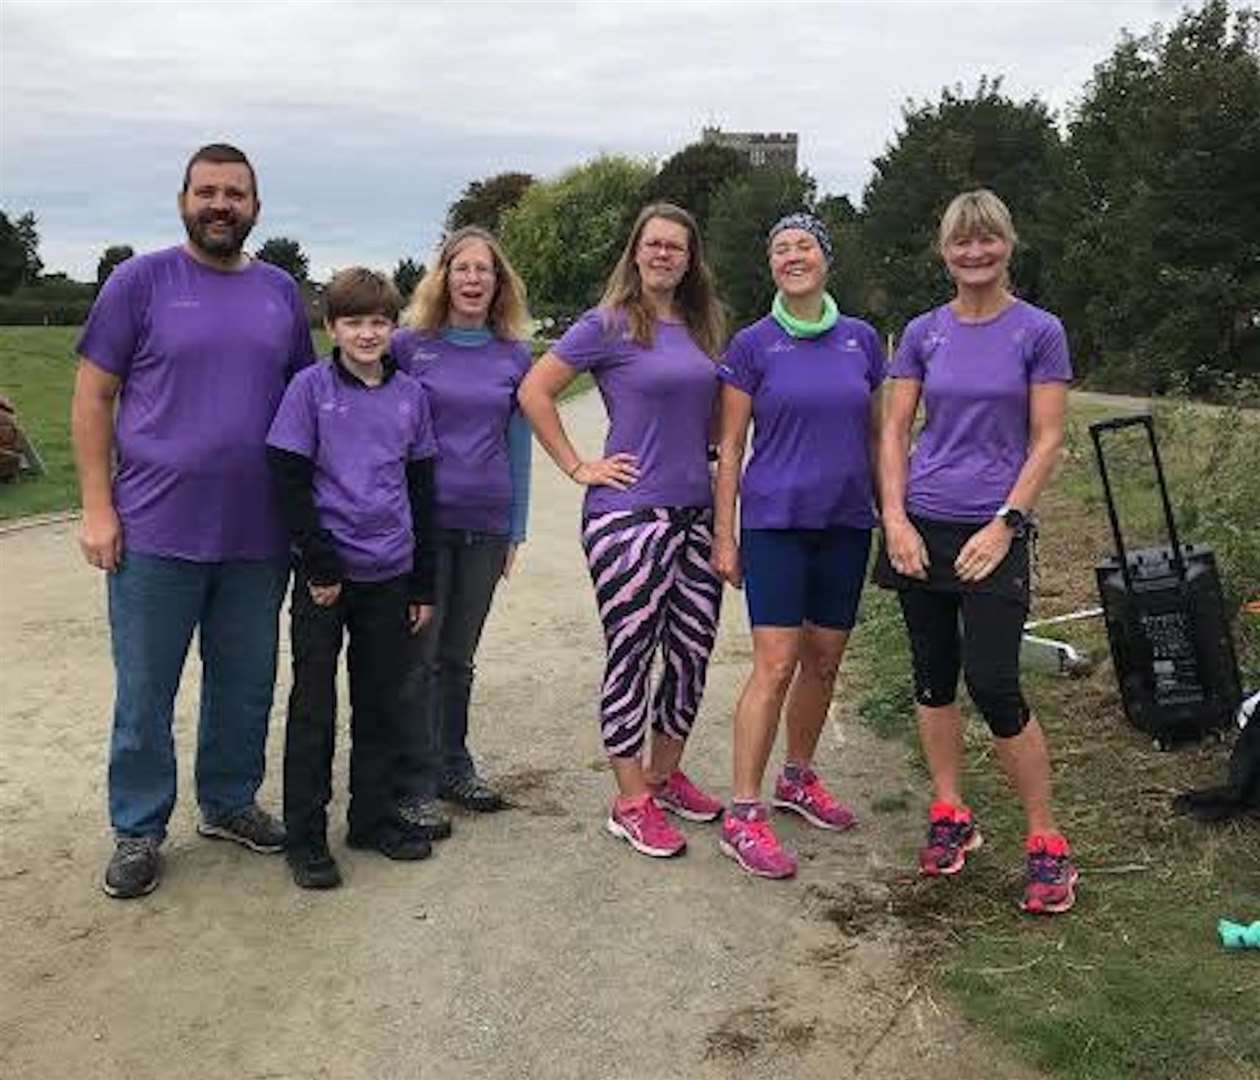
x=654, y=587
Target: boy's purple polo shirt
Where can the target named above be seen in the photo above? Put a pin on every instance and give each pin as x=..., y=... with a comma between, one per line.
x=360, y=438
x=472, y=394
x=660, y=403
x=975, y=380
x=811, y=408
x=204, y=356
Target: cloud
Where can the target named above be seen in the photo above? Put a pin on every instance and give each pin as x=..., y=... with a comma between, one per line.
x=366, y=119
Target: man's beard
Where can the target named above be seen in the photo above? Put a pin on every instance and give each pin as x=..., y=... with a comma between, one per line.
x=218, y=245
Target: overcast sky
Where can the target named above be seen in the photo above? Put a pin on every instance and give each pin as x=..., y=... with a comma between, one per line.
x=366, y=119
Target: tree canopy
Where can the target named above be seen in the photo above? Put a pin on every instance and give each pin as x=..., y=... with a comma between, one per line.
x=288, y=255
x=693, y=176
x=483, y=202
x=407, y=275
x=565, y=235
x=109, y=261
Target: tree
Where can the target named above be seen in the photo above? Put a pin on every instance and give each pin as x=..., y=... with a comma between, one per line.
x=20, y=263
x=484, y=201
x=1160, y=280
x=693, y=176
x=742, y=213
x=565, y=235
x=956, y=144
x=12, y=256
x=407, y=275
x=109, y=261
x=288, y=255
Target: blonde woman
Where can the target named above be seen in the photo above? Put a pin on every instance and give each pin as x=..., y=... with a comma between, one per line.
x=462, y=337
x=647, y=526
x=992, y=371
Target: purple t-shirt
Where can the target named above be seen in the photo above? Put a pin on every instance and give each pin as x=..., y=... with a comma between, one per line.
x=659, y=402
x=472, y=393
x=975, y=380
x=204, y=356
x=811, y=406
x=360, y=438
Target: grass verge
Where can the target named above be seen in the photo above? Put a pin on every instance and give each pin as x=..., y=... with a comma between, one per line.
x=37, y=373
x=1133, y=983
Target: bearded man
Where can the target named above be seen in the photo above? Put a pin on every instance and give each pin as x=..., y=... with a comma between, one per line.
x=182, y=364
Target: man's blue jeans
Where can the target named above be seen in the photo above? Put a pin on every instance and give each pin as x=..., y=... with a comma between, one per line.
x=154, y=605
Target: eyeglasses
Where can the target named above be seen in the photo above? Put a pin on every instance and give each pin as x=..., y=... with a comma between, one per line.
x=664, y=247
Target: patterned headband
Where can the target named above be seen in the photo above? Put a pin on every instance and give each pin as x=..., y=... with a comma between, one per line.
x=809, y=224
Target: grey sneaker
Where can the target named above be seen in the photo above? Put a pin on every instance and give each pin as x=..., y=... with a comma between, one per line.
x=253, y=827
x=472, y=793
x=134, y=869
x=424, y=816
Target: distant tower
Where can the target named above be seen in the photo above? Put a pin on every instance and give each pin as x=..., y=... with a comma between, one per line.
x=761, y=148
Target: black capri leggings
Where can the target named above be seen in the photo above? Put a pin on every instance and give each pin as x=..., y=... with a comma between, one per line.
x=986, y=648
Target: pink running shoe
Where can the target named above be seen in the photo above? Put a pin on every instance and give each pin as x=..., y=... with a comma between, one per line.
x=752, y=843
x=951, y=835
x=643, y=826
x=1051, y=887
x=680, y=796
x=810, y=798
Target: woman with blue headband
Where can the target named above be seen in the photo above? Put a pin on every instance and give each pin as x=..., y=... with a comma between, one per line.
x=807, y=378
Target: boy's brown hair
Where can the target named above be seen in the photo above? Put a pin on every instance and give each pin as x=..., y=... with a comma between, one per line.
x=360, y=291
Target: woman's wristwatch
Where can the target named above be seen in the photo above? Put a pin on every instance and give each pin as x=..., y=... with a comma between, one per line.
x=1013, y=518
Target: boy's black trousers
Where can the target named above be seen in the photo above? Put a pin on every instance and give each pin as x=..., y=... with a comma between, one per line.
x=374, y=617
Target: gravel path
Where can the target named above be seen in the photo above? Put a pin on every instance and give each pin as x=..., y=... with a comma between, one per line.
x=531, y=946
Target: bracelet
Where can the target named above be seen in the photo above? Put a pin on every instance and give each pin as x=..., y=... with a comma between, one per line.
x=573, y=471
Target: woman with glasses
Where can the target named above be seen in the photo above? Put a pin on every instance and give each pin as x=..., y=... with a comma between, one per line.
x=463, y=339
x=647, y=520
x=808, y=380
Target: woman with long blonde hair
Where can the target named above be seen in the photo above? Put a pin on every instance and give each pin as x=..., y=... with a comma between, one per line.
x=463, y=338
x=647, y=525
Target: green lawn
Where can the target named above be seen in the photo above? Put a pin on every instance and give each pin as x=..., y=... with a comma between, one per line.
x=37, y=374
x=1133, y=983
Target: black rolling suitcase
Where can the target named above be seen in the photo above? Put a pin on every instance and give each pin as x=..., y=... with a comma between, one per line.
x=1166, y=622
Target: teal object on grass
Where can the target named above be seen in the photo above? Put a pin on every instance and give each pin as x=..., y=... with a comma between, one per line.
x=1236, y=936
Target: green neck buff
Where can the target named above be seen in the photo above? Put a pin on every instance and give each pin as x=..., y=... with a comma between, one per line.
x=800, y=327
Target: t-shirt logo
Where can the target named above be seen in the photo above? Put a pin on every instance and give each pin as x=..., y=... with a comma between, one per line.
x=782, y=346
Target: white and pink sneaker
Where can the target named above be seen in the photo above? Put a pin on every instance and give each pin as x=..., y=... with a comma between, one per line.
x=642, y=825
x=680, y=796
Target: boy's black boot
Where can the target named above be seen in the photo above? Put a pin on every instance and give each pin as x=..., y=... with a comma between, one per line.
x=311, y=863
x=393, y=839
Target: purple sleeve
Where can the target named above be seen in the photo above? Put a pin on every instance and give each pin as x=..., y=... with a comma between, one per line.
x=302, y=353
x=1050, y=361
x=293, y=427
x=423, y=442
x=740, y=366
x=587, y=345
x=401, y=344
x=875, y=365
x=908, y=362
x=522, y=358
x=116, y=322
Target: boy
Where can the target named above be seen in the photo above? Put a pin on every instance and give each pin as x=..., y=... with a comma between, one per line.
x=351, y=449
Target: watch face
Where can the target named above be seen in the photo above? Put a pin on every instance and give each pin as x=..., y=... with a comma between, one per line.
x=1014, y=518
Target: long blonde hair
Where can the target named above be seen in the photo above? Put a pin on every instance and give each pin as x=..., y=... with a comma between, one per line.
x=696, y=293
x=430, y=305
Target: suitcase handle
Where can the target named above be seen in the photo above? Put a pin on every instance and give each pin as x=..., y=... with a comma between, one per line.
x=1143, y=420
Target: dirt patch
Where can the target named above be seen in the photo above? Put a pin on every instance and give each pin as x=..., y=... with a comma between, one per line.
x=754, y=1029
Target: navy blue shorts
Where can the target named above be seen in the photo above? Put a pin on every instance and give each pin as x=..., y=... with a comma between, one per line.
x=798, y=576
